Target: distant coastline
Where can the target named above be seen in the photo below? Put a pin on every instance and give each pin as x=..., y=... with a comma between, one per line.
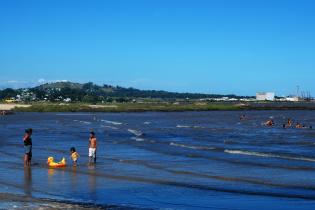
x=159, y=107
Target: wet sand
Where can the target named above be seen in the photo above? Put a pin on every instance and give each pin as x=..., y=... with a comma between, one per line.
x=14, y=201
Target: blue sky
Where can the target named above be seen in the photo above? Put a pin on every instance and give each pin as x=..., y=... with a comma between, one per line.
x=216, y=46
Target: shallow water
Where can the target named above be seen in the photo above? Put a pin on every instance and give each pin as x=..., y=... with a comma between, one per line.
x=187, y=160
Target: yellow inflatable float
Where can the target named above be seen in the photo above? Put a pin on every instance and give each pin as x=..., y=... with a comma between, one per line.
x=52, y=163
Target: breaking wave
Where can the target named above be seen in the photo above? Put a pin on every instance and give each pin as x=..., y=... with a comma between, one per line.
x=111, y=127
x=137, y=139
x=135, y=132
x=191, y=146
x=80, y=121
x=112, y=122
x=268, y=155
x=188, y=126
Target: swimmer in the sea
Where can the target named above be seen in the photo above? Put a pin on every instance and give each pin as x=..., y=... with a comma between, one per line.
x=269, y=123
x=243, y=117
x=289, y=123
x=298, y=125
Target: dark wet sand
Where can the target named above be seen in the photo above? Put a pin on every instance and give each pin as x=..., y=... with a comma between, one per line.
x=14, y=201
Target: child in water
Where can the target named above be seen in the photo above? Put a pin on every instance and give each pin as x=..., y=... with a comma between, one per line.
x=74, y=156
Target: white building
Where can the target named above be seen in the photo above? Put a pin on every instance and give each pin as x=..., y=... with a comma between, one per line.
x=292, y=99
x=265, y=96
x=67, y=100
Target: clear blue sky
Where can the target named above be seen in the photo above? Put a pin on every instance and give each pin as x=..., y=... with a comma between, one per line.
x=217, y=46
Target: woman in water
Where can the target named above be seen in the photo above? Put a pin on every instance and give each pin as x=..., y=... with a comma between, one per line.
x=27, y=147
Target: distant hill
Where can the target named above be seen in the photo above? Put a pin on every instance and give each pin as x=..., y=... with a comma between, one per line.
x=60, y=85
x=90, y=92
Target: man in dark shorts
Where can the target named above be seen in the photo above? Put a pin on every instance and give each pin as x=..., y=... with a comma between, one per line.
x=27, y=139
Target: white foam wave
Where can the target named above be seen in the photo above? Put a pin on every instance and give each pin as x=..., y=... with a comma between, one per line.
x=85, y=122
x=111, y=127
x=267, y=155
x=188, y=126
x=135, y=132
x=191, y=146
x=112, y=122
x=183, y=126
x=147, y=123
x=137, y=139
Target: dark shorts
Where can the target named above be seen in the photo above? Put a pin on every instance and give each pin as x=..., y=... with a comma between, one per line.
x=28, y=150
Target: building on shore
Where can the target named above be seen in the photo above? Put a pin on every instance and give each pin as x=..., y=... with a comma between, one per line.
x=265, y=96
x=293, y=99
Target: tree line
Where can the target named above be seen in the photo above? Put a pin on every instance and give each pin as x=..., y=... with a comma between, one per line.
x=90, y=92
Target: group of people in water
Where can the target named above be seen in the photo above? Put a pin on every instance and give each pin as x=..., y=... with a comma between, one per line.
x=288, y=124
x=28, y=144
x=92, y=146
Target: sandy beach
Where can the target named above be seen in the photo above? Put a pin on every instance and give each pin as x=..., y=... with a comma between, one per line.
x=6, y=107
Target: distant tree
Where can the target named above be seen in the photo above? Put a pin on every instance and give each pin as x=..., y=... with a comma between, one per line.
x=109, y=100
x=40, y=94
x=89, y=86
x=89, y=99
x=92, y=93
x=8, y=93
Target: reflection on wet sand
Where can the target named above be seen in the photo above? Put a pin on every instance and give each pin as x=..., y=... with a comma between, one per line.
x=28, y=181
x=73, y=177
x=50, y=175
x=92, y=181
x=51, y=172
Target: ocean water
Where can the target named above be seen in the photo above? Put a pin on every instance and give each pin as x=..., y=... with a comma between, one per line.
x=153, y=160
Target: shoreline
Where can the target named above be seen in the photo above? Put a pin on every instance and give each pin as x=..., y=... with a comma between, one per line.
x=20, y=201
x=156, y=107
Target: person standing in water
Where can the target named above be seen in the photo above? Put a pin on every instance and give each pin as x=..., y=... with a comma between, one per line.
x=92, y=148
x=74, y=156
x=27, y=139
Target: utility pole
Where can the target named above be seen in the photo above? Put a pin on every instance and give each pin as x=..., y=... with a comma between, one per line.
x=298, y=91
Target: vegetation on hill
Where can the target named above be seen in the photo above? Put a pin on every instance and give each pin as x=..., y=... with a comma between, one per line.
x=92, y=93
